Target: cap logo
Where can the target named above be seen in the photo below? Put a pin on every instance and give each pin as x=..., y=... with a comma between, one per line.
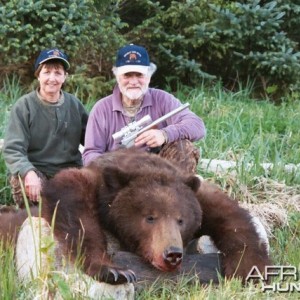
x=132, y=56
x=56, y=53
x=48, y=54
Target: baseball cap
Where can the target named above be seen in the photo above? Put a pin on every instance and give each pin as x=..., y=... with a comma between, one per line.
x=49, y=54
x=132, y=58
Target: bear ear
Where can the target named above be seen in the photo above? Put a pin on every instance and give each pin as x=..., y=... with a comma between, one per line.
x=193, y=182
x=115, y=178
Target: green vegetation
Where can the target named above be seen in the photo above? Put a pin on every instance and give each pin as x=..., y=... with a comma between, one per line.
x=238, y=63
x=239, y=129
x=190, y=41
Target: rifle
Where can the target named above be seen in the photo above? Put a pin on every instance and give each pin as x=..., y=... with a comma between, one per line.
x=128, y=134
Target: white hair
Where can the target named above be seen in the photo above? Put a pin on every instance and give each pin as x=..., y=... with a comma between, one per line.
x=151, y=69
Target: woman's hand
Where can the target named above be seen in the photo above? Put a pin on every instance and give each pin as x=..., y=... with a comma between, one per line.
x=33, y=186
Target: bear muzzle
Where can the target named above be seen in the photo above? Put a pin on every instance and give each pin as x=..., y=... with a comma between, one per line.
x=173, y=257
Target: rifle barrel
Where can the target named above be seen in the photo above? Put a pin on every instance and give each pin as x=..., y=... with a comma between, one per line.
x=166, y=116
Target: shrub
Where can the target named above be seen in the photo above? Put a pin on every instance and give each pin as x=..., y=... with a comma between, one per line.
x=28, y=26
x=84, y=29
x=232, y=41
x=192, y=42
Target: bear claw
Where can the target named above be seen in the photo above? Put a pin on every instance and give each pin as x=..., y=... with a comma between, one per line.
x=119, y=275
x=130, y=275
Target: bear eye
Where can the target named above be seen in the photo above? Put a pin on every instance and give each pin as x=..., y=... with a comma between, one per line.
x=180, y=222
x=150, y=219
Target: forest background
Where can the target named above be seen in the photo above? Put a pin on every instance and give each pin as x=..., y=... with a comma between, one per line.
x=238, y=43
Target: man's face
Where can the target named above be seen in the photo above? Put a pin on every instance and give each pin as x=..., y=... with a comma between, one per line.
x=133, y=85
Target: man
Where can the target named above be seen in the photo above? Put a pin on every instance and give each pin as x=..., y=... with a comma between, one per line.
x=131, y=100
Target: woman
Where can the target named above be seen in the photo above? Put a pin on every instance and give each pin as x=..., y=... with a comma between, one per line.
x=45, y=129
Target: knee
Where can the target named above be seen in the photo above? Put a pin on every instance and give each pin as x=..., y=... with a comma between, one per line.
x=182, y=153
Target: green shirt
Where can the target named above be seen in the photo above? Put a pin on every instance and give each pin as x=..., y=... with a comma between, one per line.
x=44, y=136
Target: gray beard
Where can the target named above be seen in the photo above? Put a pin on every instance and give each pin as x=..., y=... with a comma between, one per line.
x=134, y=96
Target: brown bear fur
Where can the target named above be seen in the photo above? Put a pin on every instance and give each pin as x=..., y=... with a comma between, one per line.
x=11, y=220
x=154, y=210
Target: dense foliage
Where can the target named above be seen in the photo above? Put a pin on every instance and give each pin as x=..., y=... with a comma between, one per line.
x=192, y=41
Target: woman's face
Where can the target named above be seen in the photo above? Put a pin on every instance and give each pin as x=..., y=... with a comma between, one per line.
x=51, y=79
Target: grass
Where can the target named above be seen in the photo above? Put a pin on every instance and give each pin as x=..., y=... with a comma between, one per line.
x=9, y=93
x=249, y=131
x=239, y=129
x=8, y=283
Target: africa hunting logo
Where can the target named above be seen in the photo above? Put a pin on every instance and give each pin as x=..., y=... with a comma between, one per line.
x=280, y=279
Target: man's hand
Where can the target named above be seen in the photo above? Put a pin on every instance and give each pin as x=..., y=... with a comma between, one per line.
x=33, y=186
x=152, y=138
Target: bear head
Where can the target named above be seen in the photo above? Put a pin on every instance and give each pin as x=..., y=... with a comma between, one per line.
x=153, y=214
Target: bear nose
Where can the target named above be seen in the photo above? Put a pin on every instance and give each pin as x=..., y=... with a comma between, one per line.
x=173, y=256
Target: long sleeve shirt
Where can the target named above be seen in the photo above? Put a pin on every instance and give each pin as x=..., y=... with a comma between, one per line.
x=108, y=117
x=44, y=136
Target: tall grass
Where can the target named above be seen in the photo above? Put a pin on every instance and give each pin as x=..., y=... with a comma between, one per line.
x=248, y=131
x=8, y=283
x=9, y=93
x=238, y=128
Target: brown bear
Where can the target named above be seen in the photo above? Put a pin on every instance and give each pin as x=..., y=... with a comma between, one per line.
x=153, y=209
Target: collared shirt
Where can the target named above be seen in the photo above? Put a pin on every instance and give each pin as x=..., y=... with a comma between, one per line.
x=60, y=100
x=108, y=117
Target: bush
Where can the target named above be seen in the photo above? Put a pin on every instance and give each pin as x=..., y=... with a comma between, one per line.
x=28, y=26
x=231, y=41
x=84, y=29
x=259, y=48
x=191, y=41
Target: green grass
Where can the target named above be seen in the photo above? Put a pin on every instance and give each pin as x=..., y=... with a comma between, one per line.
x=240, y=129
x=9, y=93
x=248, y=131
x=8, y=283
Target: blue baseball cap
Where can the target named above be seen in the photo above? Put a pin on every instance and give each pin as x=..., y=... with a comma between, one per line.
x=49, y=54
x=132, y=58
